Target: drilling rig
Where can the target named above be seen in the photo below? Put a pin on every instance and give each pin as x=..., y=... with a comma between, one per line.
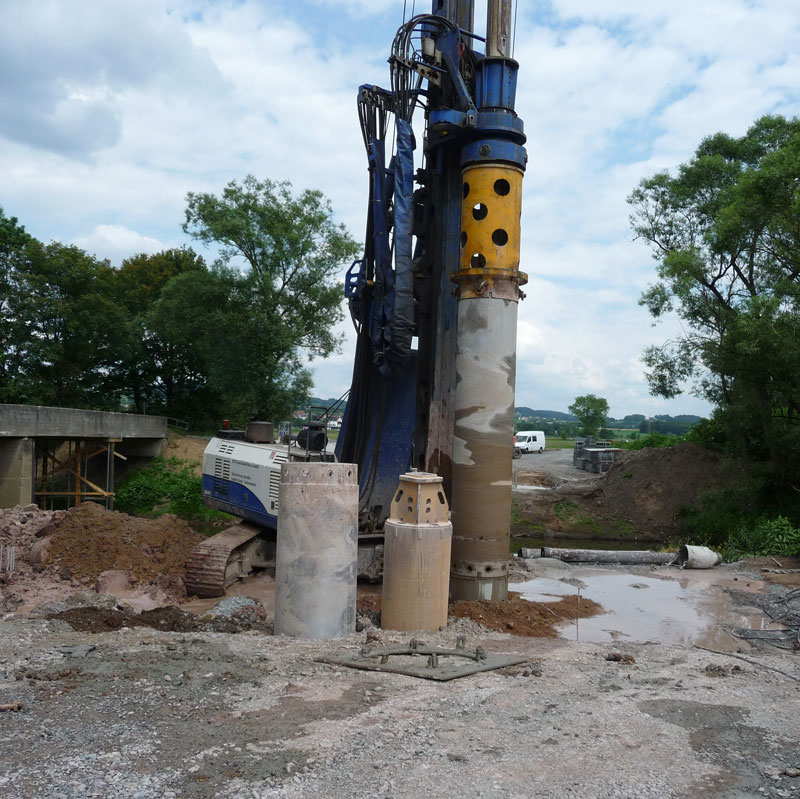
x=433, y=299
x=441, y=265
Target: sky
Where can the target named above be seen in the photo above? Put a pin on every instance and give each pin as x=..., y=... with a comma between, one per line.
x=112, y=110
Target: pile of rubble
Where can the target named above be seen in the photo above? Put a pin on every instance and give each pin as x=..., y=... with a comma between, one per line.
x=56, y=553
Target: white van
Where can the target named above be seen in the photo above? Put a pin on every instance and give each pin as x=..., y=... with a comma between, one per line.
x=530, y=441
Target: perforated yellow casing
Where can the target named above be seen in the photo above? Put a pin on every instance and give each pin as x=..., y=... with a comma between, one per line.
x=490, y=219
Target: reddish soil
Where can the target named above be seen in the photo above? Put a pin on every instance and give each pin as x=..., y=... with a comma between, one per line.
x=74, y=547
x=521, y=617
x=514, y=615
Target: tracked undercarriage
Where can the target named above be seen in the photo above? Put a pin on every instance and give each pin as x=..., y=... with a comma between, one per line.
x=227, y=557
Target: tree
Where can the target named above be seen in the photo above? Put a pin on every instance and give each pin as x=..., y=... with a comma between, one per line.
x=219, y=354
x=725, y=232
x=13, y=239
x=294, y=250
x=139, y=283
x=592, y=412
x=61, y=327
x=633, y=419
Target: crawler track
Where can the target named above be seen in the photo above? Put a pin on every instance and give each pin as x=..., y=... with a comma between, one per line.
x=220, y=561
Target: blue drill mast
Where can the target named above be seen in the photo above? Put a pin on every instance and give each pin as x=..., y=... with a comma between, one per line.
x=402, y=296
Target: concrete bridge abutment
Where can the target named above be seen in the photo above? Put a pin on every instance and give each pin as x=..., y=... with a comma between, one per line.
x=56, y=457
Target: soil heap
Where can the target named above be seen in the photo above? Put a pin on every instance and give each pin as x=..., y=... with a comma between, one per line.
x=649, y=488
x=640, y=498
x=72, y=549
x=90, y=540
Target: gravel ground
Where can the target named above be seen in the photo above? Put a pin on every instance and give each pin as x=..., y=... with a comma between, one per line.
x=557, y=465
x=144, y=714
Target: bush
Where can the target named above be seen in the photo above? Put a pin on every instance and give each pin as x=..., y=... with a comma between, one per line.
x=709, y=434
x=766, y=537
x=164, y=486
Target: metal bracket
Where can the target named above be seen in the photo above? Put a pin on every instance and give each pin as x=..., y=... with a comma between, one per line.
x=434, y=669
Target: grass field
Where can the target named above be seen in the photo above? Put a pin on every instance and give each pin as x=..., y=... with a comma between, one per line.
x=559, y=443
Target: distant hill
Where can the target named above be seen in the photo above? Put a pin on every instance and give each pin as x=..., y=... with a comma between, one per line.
x=561, y=417
x=326, y=403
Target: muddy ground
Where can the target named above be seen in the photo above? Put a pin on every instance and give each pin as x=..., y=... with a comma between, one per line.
x=97, y=700
x=137, y=712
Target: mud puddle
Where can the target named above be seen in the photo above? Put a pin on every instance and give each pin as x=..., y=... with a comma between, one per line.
x=680, y=612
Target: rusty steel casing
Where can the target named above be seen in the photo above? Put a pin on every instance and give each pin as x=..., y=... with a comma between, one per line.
x=484, y=426
x=316, y=551
x=416, y=575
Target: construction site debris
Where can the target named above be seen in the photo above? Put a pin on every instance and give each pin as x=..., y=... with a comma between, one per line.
x=619, y=657
x=691, y=557
x=89, y=546
x=100, y=613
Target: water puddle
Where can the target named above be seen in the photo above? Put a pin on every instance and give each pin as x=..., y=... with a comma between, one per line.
x=683, y=612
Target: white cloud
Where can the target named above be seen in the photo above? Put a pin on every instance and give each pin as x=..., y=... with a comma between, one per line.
x=116, y=242
x=114, y=111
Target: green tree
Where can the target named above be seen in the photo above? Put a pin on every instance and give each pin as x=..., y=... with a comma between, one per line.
x=592, y=411
x=295, y=251
x=61, y=327
x=633, y=419
x=13, y=239
x=218, y=352
x=725, y=231
x=139, y=283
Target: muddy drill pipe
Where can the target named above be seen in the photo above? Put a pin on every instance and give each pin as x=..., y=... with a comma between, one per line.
x=487, y=284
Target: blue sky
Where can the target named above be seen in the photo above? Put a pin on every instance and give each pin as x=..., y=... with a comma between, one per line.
x=112, y=110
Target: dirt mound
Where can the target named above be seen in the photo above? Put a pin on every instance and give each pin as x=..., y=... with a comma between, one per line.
x=90, y=540
x=520, y=616
x=639, y=499
x=514, y=615
x=167, y=619
x=650, y=487
x=86, y=545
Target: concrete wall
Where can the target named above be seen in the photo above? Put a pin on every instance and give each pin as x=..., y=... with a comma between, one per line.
x=16, y=471
x=37, y=421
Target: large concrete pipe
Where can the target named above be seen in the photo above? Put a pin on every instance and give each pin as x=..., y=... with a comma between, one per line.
x=316, y=550
x=416, y=555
